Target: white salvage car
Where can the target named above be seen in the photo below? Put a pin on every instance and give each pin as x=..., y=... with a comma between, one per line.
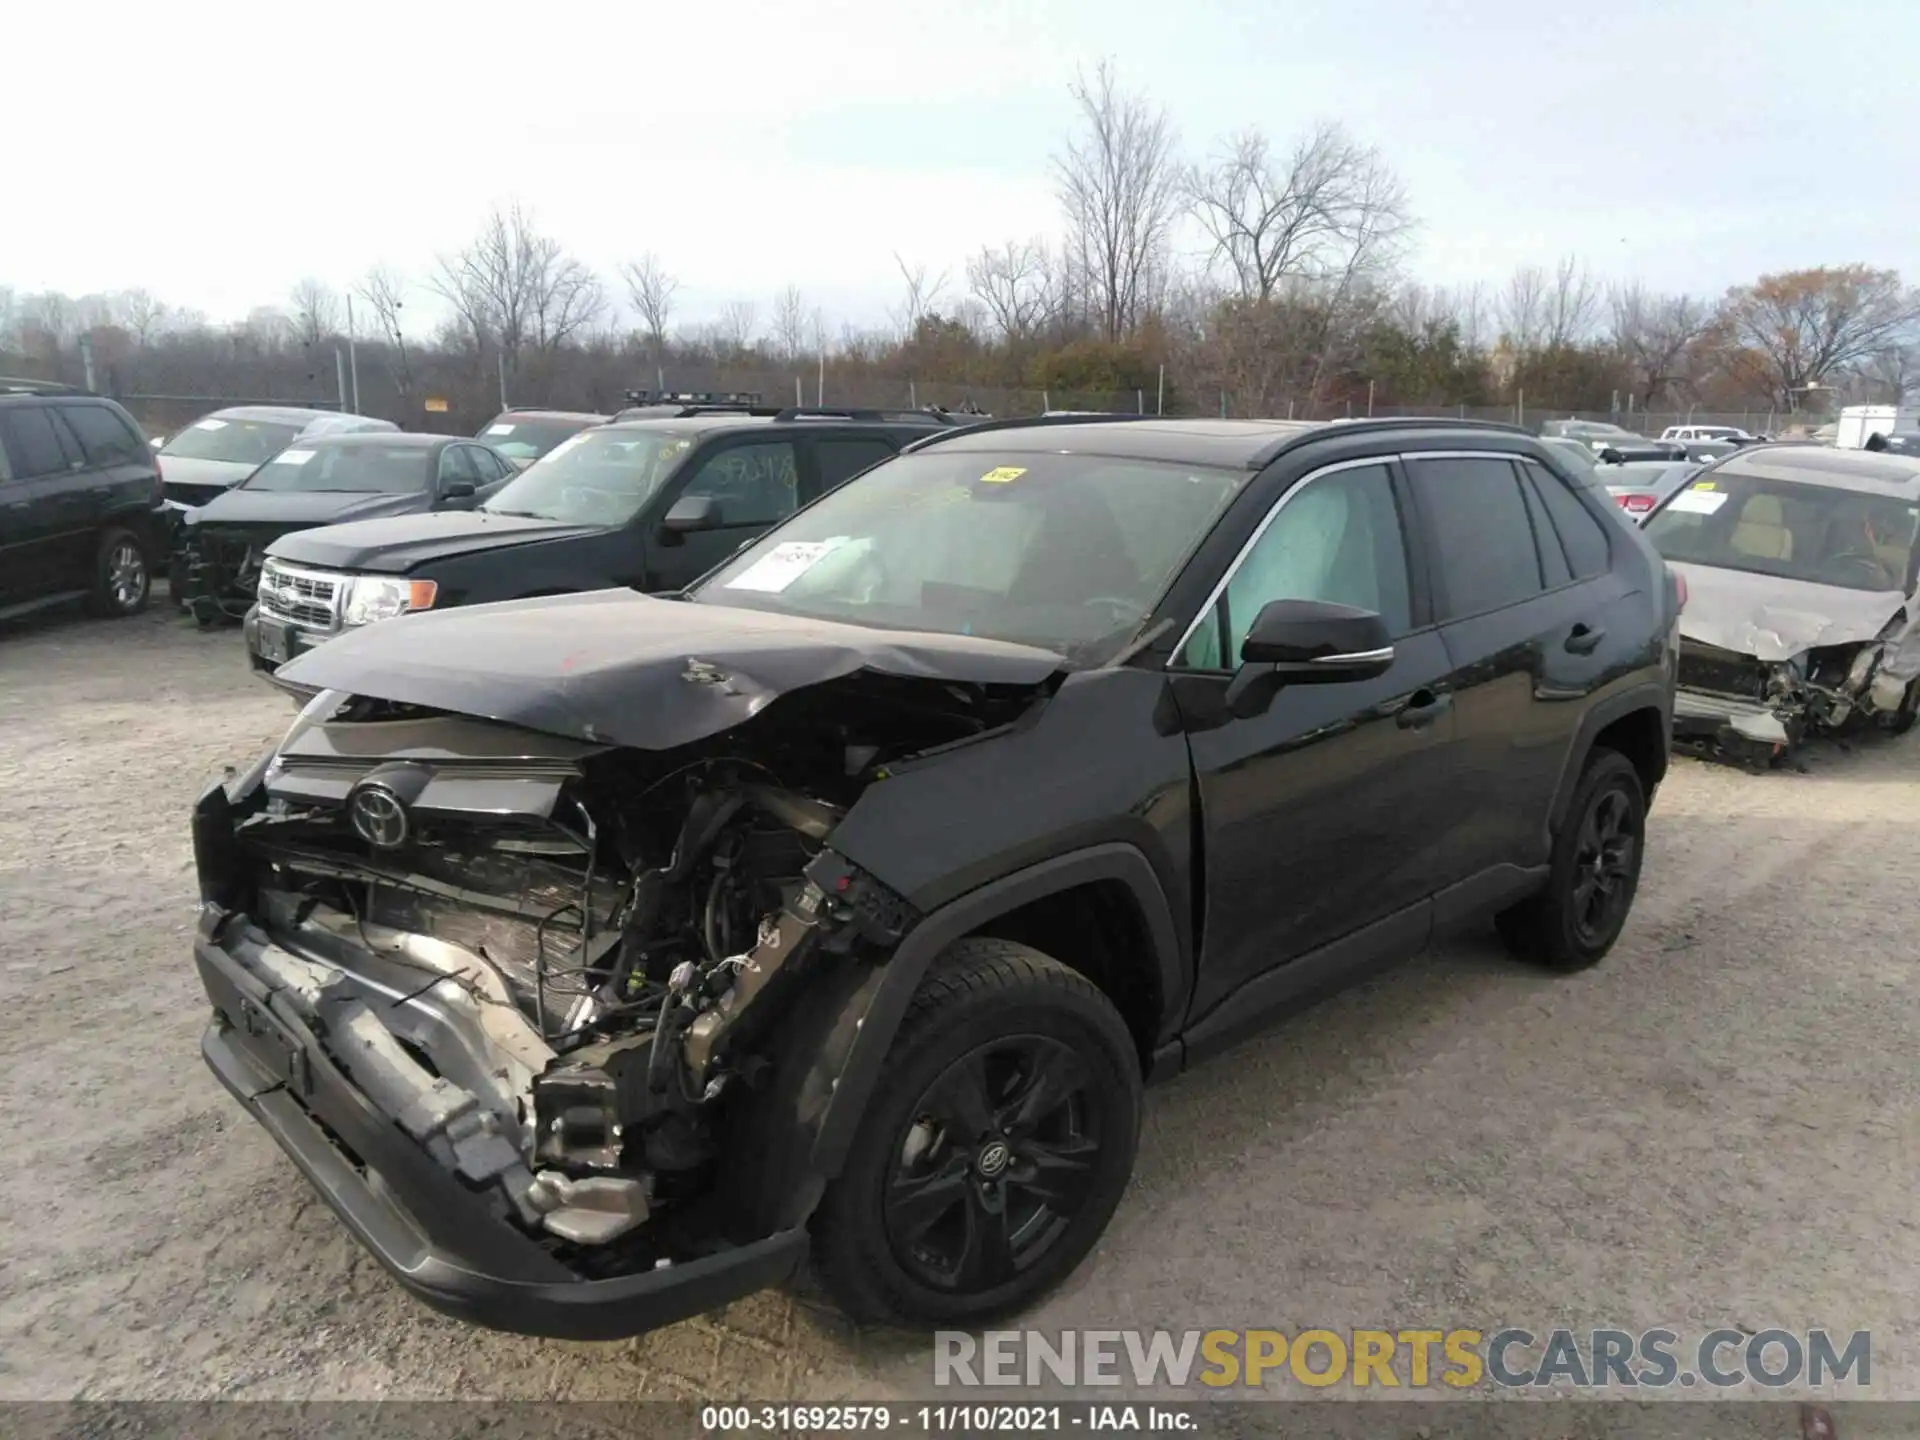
x=1799, y=564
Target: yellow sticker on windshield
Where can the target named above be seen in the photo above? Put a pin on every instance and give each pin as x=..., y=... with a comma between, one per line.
x=1705, y=485
x=1002, y=474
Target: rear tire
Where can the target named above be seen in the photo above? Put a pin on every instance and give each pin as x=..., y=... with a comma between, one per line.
x=1573, y=921
x=929, y=1226
x=122, y=575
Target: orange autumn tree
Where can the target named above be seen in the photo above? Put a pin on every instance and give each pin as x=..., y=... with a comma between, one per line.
x=1803, y=328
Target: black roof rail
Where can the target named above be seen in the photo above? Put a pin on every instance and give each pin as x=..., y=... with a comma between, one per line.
x=735, y=398
x=21, y=385
x=1365, y=424
x=668, y=410
x=1019, y=422
x=836, y=412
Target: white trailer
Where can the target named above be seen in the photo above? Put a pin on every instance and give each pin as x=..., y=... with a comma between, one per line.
x=1858, y=422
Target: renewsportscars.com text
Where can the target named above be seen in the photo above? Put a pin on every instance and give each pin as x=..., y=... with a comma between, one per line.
x=1455, y=1359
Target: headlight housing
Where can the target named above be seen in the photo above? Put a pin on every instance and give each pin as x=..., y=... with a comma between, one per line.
x=377, y=598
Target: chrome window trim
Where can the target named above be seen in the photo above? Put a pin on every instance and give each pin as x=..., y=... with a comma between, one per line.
x=1240, y=558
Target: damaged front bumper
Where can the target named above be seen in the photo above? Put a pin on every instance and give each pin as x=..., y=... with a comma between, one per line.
x=1741, y=707
x=440, y=1239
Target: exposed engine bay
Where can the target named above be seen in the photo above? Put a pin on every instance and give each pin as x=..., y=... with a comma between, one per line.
x=1765, y=709
x=1768, y=663
x=562, y=967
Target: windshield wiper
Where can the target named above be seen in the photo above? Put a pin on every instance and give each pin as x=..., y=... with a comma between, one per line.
x=517, y=514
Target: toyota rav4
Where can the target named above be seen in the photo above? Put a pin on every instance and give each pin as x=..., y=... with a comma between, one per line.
x=599, y=958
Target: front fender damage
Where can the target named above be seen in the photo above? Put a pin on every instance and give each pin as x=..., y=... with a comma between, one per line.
x=608, y=990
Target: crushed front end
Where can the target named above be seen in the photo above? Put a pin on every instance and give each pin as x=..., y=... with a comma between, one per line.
x=546, y=1021
x=216, y=570
x=1735, y=706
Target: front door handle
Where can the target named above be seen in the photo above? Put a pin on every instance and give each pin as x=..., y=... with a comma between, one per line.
x=1422, y=709
x=1585, y=639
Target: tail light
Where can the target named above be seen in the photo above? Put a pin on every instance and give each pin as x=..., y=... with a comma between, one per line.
x=1635, y=504
x=1679, y=586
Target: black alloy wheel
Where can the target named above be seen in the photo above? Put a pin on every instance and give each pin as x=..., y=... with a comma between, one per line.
x=1593, y=875
x=998, y=1160
x=994, y=1148
x=1606, y=862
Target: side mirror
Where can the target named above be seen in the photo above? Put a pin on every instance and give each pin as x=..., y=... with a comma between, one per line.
x=1307, y=642
x=691, y=513
x=457, y=490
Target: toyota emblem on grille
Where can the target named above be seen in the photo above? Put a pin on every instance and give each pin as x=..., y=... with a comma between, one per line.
x=378, y=816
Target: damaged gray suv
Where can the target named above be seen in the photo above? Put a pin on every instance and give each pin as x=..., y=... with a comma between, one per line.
x=600, y=958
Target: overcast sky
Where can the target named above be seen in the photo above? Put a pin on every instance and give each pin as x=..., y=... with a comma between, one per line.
x=216, y=153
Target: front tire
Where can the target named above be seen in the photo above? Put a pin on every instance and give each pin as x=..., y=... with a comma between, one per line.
x=1000, y=1138
x=1901, y=720
x=122, y=578
x=1595, y=872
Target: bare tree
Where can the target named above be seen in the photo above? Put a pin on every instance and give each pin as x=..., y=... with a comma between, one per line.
x=1307, y=215
x=738, y=321
x=1890, y=375
x=790, y=324
x=921, y=296
x=1657, y=336
x=1521, y=309
x=652, y=290
x=514, y=287
x=384, y=289
x=567, y=298
x=143, y=315
x=1118, y=182
x=1014, y=284
x=316, y=311
x=1571, y=304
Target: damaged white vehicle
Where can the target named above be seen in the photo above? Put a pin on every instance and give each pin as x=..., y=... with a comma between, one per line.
x=1799, y=563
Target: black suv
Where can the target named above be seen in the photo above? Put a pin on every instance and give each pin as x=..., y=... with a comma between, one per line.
x=651, y=504
x=597, y=958
x=81, y=509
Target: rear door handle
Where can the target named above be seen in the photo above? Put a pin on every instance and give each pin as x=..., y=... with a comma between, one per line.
x=1422, y=709
x=1584, y=639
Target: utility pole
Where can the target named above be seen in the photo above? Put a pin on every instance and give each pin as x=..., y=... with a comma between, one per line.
x=86, y=358
x=340, y=375
x=501, y=358
x=353, y=356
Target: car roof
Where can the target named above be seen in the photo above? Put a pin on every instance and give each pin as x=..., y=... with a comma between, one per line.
x=283, y=414
x=414, y=438
x=510, y=417
x=709, y=424
x=1868, y=472
x=1240, y=443
x=1248, y=444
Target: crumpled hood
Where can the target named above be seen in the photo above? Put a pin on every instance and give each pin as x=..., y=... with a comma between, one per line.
x=616, y=666
x=180, y=470
x=394, y=544
x=1774, y=619
x=303, y=507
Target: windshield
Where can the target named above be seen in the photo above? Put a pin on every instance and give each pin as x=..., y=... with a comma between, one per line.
x=597, y=477
x=1817, y=533
x=1067, y=552
x=245, y=442
x=1580, y=456
x=529, y=439
x=356, y=469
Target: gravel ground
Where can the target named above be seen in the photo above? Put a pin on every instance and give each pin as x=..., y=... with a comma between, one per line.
x=1716, y=1127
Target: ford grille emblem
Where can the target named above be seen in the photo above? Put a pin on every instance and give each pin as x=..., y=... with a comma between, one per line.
x=378, y=817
